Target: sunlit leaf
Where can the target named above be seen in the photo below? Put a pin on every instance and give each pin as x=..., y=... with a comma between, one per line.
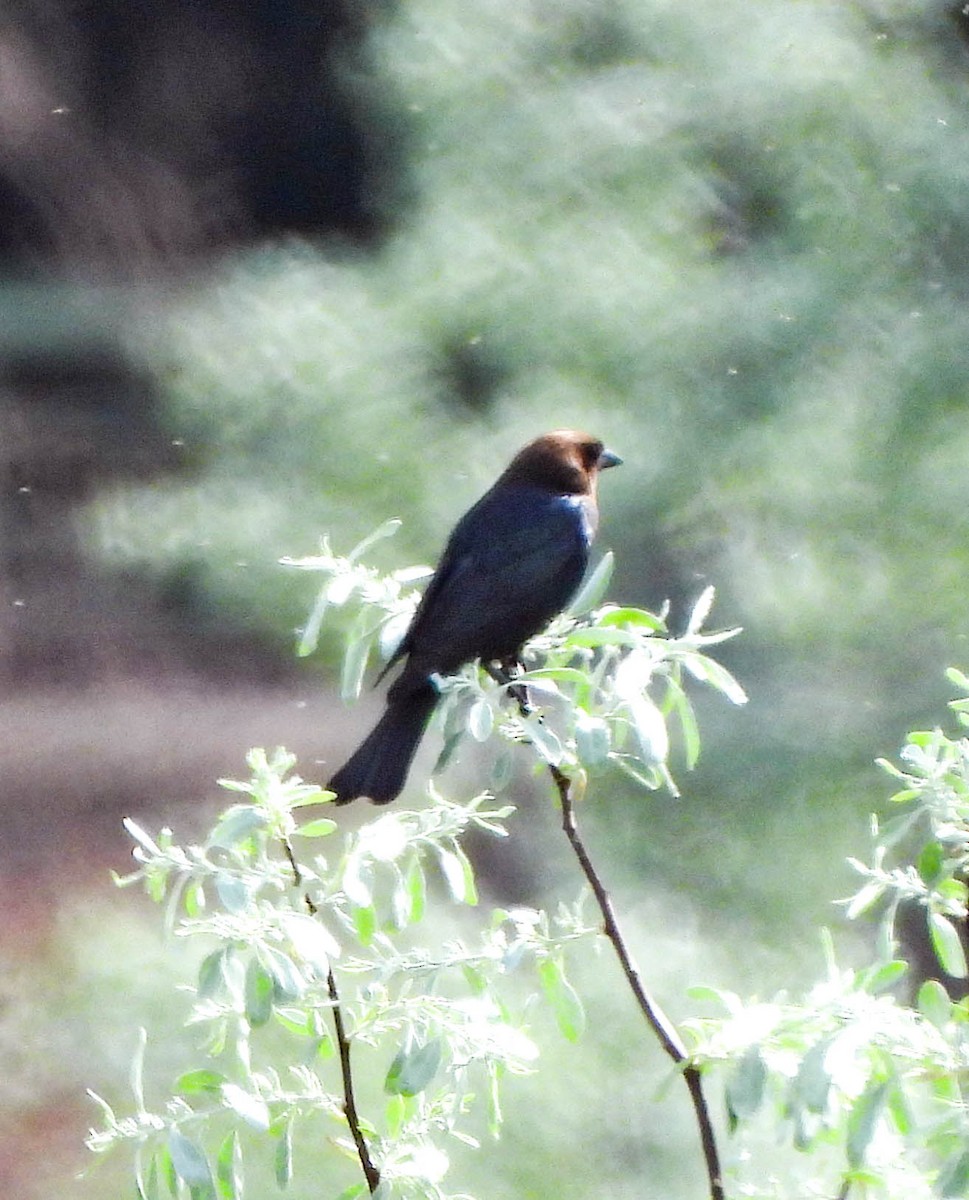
x=930, y=862
x=416, y=889
x=708, y=670
x=592, y=739
x=252, y=1109
x=288, y=982
x=953, y=1181
x=321, y=827
x=453, y=870
x=745, y=1086
x=233, y=891
x=228, y=1169
x=236, y=824
x=862, y=1121
x=259, y=993
x=310, y=633
x=481, y=720
x=700, y=612
x=934, y=1003
x=188, y=1160
x=385, y=530
x=312, y=942
x=565, y=1001
x=544, y=740
x=364, y=923
x=200, y=1081
x=947, y=945
x=283, y=1156
x=635, y=617
x=414, y=1068
x=356, y=880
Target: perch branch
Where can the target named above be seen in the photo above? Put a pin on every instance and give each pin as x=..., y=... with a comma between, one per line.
x=658, y=1021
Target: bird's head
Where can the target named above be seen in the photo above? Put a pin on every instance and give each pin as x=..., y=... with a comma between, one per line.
x=565, y=461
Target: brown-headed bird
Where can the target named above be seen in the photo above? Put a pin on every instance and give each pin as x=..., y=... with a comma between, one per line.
x=512, y=562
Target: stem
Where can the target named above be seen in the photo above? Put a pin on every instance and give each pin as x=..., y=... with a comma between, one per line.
x=658, y=1021
x=349, y=1102
x=371, y=1174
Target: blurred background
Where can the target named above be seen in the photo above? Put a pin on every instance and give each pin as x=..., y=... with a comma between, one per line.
x=287, y=268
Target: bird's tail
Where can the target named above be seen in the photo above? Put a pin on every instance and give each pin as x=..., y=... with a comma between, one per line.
x=379, y=766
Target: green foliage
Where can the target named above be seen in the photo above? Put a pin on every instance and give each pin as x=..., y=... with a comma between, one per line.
x=307, y=953
x=871, y=1087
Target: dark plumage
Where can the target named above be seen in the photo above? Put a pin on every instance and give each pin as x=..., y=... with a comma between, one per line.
x=512, y=562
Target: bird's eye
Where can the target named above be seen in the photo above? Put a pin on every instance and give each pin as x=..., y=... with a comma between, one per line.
x=591, y=452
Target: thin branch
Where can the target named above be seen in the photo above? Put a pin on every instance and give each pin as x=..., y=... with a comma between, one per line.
x=349, y=1102
x=658, y=1021
x=371, y=1174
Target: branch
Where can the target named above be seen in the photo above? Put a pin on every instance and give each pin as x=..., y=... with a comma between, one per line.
x=371, y=1174
x=658, y=1021
x=349, y=1102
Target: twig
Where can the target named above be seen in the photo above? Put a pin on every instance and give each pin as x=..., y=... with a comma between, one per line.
x=658, y=1021
x=371, y=1174
x=349, y=1102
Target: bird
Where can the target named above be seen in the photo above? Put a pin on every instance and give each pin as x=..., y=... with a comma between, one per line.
x=511, y=563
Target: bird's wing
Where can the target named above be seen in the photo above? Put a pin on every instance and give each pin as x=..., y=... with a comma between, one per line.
x=512, y=563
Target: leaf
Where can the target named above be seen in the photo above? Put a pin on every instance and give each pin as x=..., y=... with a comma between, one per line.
x=862, y=1121
x=194, y=1083
x=259, y=993
x=365, y=923
x=283, y=1156
x=566, y=1003
x=592, y=739
x=288, y=982
x=252, y=1109
x=139, y=835
x=385, y=530
x=811, y=1086
x=881, y=978
x=544, y=740
x=452, y=868
x=481, y=720
x=701, y=610
x=234, y=893
x=356, y=656
x=413, y=1069
x=384, y=839
x=392, y=632
x=188, y=1160
x=594, y=587
x=624, y=617
x=953, y=1181
x=321, y=827
x=708, y=670
x=864, y=898
x=310, y=634
x=236, y=824
x=228, y=1169
x=679, y=703
x=934, y=1004
x=356, y=880
x=312, y=941
x=650, y=729
x=930, y=862
x=745, y=1086
x=947, y=945
x=416, y=889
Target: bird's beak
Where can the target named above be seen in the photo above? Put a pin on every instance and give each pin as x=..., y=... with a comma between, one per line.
x=608, y=459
